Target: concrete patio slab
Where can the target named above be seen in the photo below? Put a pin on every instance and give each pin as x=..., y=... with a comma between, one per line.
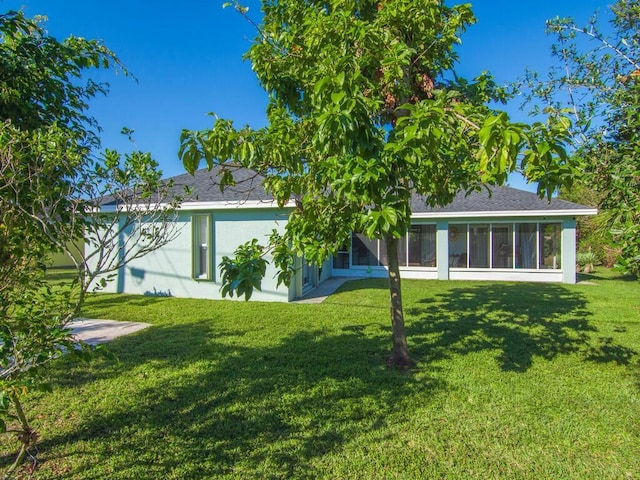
x=94, y=332
x=326, y=288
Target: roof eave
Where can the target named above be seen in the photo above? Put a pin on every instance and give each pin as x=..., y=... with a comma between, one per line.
x=508, y=213
x=226, y=205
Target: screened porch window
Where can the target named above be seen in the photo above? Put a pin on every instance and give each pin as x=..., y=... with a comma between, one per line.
x=526, y=245
x=341, y=258
x=417, y=249
x=479, y=246
x=534, y=246
x=550, y=252
x=364, y=251
x=458, y=245
x=420, y=247
x=502, y=246
x=201, y=247
x=506, y=245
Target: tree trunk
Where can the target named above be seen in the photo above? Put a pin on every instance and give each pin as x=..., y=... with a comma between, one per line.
x=400, y=355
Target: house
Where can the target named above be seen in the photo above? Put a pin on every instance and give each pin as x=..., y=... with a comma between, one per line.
x=506, y=235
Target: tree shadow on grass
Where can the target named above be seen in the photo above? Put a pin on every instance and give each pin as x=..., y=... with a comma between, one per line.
x=208, y=405
x=364, y=284
x=97, y=302
x=520, y=322
x=599, y=277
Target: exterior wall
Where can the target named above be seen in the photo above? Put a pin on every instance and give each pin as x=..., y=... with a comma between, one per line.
x=168, y=271
x=442, y=246
x=325, y=271
x=506, y=275
x=569, y=251
x=296, y=289
x=317, y=274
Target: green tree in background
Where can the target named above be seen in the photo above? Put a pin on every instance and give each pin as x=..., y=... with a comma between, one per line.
x=51, y=185
x=365, y=110
x=596, y=79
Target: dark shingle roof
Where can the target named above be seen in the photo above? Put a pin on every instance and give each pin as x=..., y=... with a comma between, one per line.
x=499, y=199
x=206, y=186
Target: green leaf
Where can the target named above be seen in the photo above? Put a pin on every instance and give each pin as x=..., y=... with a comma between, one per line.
x=336, y=97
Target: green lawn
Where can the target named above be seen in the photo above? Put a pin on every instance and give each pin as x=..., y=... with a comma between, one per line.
x=513, y=381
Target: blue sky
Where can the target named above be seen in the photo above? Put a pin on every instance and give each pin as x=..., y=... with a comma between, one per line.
x=187, y=58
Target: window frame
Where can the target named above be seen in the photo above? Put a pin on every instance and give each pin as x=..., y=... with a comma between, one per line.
x=196, y=246
x=513, y=244
x=380, y=250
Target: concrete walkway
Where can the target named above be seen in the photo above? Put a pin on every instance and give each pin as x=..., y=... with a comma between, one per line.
x=94, y=332
x=326, y=288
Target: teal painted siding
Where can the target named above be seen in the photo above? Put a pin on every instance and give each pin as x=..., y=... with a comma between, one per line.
x=169, y=271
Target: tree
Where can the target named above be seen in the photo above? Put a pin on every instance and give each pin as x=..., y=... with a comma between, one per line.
x=597, y=80
x=592, y=233
x=364, y=111
x=51, y=186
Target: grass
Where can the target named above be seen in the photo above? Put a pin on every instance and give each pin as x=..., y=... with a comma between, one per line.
x=60, y=275
x=514, y=381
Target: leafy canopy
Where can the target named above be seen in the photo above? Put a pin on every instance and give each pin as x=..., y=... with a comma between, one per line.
x=51, y=183
x=365, y=111
x=597, y=79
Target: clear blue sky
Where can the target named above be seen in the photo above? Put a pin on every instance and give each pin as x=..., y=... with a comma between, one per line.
x=187, y=58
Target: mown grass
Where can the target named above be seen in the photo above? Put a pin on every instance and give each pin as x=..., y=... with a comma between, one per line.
x=60, y=275
x=513, y=381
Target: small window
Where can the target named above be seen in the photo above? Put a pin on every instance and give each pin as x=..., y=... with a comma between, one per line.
x=364, y=251
x=341, y=258
x=479, y=246
x=458, y=246
x=201, y=248
x=502, y=246
x=550, y=246
x=526, y=245
x=422, y=246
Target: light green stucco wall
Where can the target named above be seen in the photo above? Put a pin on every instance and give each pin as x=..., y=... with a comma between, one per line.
x=442, y=249
x=569, y=251
x=168, y=271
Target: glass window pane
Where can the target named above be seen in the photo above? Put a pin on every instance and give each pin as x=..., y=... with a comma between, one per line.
x=479, y=246
x=502, y=246
x=203, y=262
x=422, y=246
x=201, y=249
x=526, y=245
x=364, y=250
x=341, y=258
x=458, y=246
x=550, y=248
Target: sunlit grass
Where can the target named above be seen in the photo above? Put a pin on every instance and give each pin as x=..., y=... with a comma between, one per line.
x=513, y=381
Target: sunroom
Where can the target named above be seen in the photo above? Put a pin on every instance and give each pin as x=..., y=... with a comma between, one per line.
x=501, y=234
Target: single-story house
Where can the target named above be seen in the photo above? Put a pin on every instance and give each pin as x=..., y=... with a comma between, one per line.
x=509, y=235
